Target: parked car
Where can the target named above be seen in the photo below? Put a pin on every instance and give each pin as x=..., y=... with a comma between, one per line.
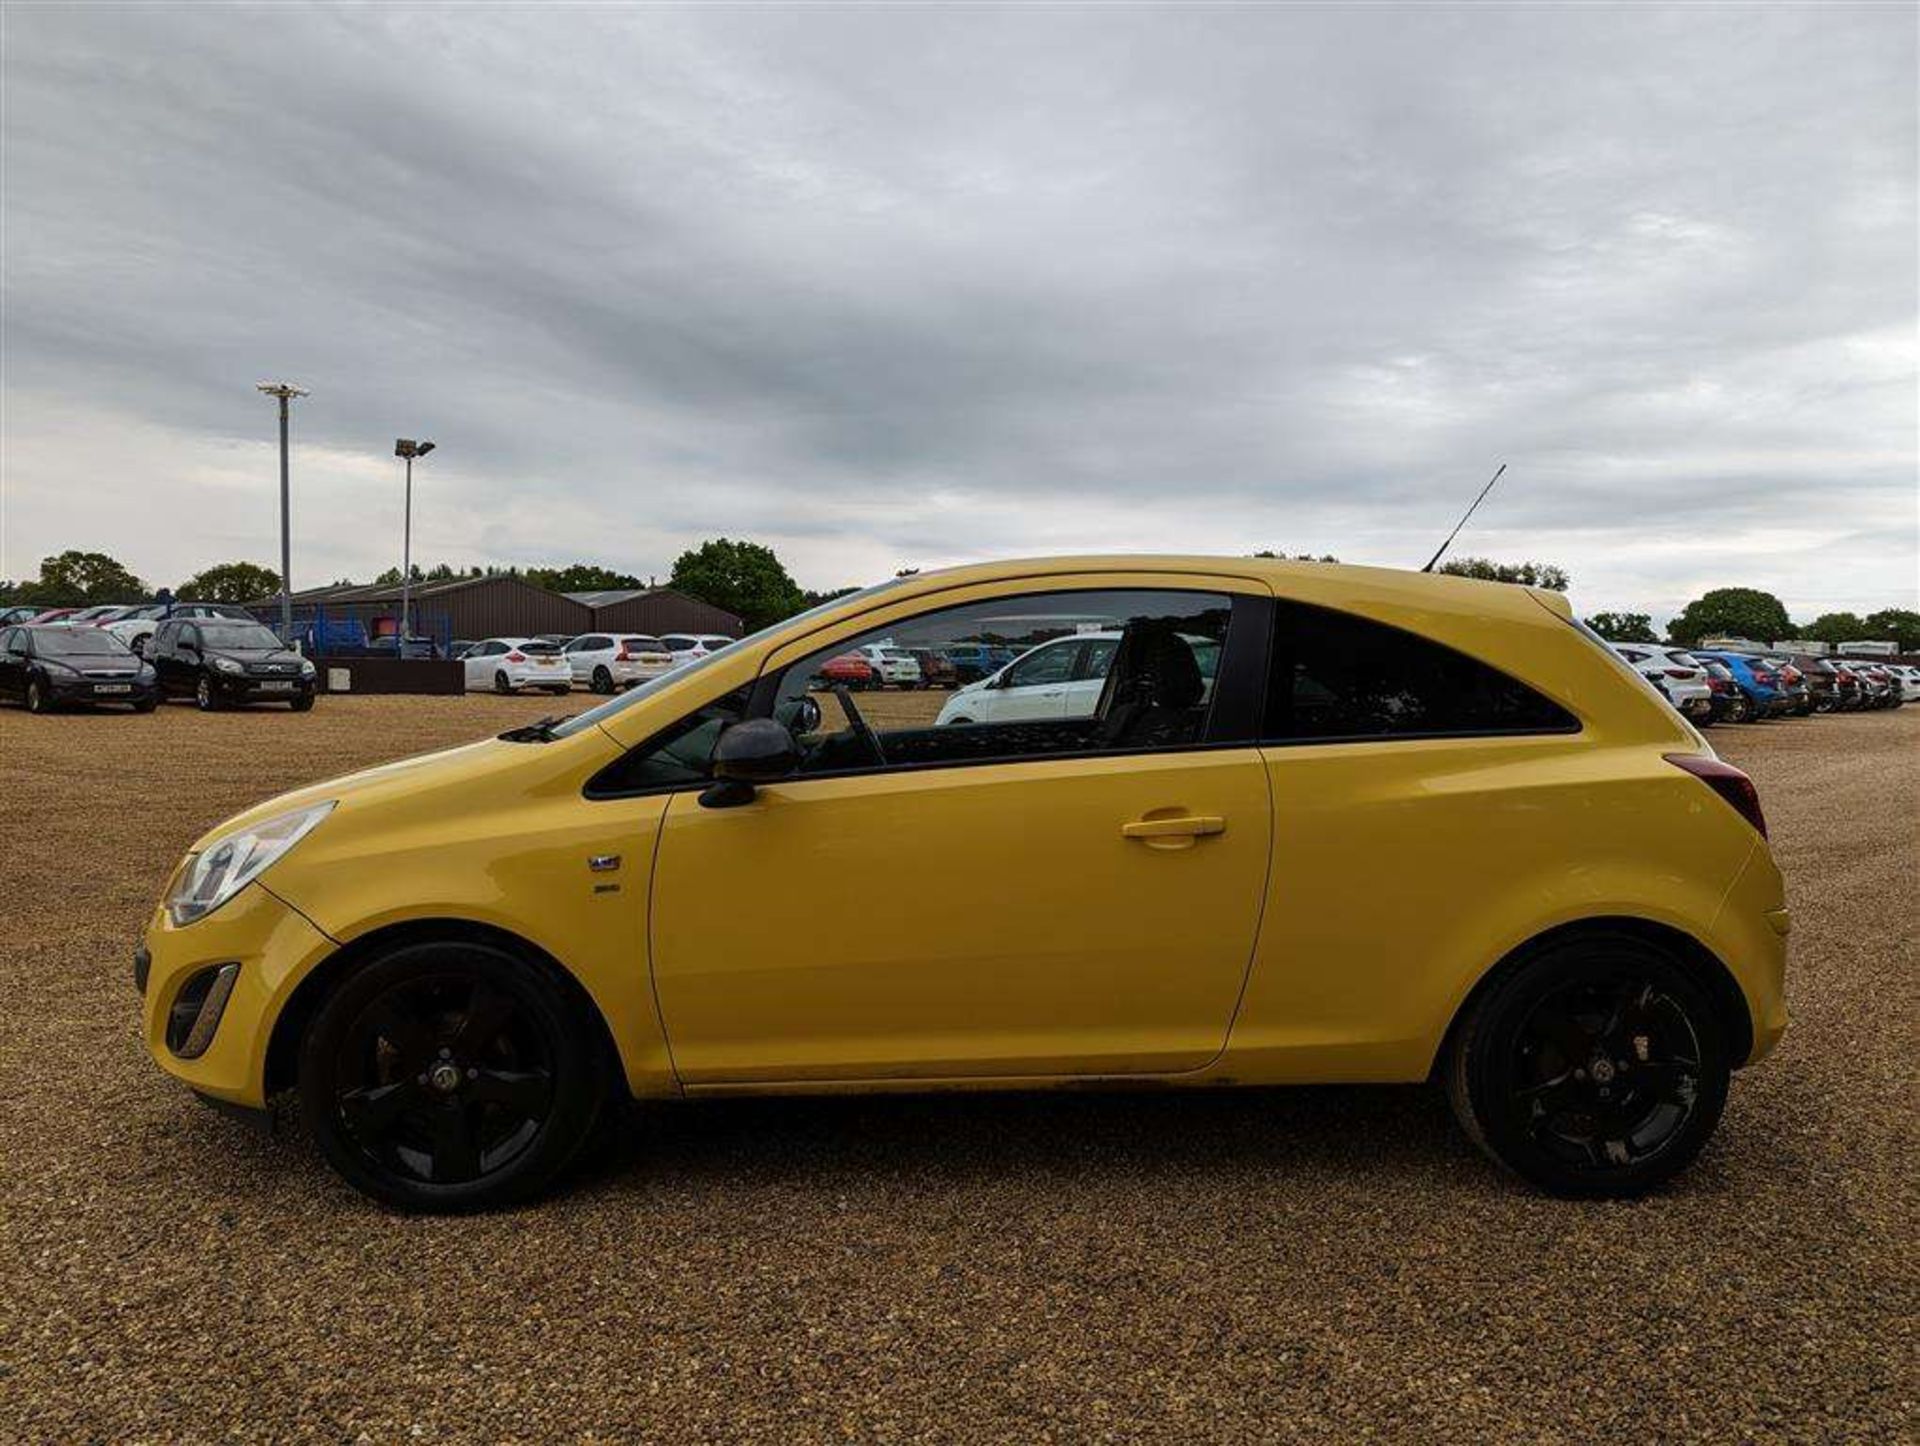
x=1793, y=682
x=1729, y=703
x=605, y=662
x=19, y=613
x=1758, y=684
x=226, y=663
x=848, y=670
x=94, y=616
x=936, y=671
x=137, y=628
x=1061, y=678
x=1566, y=910
x=51, y=615
x=506, y=665
x=1877, y=689
x=1908, y=677
x=892, y=667
x=47, y=667
x=1676, y=676
x=973, y=661
x=1822, y=680
x=691, y=647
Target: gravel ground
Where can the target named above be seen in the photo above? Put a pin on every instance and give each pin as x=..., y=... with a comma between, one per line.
x=1328, y=1264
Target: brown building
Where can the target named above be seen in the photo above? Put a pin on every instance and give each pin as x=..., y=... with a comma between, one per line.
x=655, y=610
x=501, y=605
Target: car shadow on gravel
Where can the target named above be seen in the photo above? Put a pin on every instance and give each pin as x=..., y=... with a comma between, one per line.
x=1348, y=1132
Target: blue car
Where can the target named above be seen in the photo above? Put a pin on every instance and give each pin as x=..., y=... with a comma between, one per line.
x=1759, y=687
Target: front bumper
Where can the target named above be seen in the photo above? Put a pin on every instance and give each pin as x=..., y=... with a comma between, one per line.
x=274, y=946
x=89, y=690
x=247, y=688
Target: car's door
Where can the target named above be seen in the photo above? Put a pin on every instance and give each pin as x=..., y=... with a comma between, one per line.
x=162, y=652
x=1118, y=863
x=479, y=662
x=1036, y=685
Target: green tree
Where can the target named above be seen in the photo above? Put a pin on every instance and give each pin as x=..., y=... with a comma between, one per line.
x=1296, y=556
x=1625, y=627
x=74, y=578
x=1739, y=612
x=230, y=582
x=812, y=599
x=580, y=577
x=1900, y=624
x=1530, y=574
x=1835, y=628
x=742, y=577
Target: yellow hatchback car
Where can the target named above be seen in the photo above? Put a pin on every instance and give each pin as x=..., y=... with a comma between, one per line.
x=1225, y=822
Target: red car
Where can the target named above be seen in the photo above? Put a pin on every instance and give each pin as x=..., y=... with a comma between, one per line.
x=849, y=670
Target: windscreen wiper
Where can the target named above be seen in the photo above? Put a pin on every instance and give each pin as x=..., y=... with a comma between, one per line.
x=541, y=732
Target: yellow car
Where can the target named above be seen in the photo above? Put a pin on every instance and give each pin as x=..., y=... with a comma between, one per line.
x=1399, y=827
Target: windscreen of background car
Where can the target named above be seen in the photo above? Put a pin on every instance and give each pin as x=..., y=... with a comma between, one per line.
x=81, y=642
x=218, y=635
x=1148, y=686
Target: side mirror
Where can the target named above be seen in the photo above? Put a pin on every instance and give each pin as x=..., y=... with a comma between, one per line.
x=755, y=751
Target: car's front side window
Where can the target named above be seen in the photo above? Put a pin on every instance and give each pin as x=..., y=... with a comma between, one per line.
x=678, y=756
x=1154, y=696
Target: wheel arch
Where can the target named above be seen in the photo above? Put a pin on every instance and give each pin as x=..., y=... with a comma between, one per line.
x=290, y=1026
x=1730, y=1004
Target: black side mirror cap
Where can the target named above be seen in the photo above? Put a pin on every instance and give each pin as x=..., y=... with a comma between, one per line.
x=755, y=751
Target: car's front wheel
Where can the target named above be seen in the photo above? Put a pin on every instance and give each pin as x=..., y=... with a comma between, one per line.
x=450, y=1076
x=204, y=696
x=1599, y=1067
x=602, y=681
x=39, y=700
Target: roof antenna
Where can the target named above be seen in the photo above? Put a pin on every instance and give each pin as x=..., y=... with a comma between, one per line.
x=1463, y=520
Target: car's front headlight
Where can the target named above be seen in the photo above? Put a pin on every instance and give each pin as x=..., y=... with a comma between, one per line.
x=209, y=878
x=228, y=665
x=306, y=666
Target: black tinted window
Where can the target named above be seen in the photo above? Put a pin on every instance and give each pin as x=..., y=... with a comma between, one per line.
x=674, y=758
x=1336, y=676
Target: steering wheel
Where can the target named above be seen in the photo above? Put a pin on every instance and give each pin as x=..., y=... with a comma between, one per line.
x=859, y=725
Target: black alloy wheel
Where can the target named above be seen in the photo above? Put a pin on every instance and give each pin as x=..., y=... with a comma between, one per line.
x=1739, y=710
x=450, y=1076
x=1597, y=1068
x=602, y=681
x=502, y=683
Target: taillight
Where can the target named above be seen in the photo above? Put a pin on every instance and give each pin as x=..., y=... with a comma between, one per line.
x=622, y=656
x=1727, y=781
x=516, y=657
x=1761, y=675
x=1679, y=672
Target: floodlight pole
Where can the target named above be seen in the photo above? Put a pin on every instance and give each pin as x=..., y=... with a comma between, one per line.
x=407, y=448
x=286, y=392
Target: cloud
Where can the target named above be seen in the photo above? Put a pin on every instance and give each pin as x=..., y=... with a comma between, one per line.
x=910, y=287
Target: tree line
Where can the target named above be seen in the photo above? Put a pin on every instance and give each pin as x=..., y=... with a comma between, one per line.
x=749, y=580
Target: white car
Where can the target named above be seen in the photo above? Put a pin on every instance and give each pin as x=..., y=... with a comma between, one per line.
x=607, y=661
x=139, y=625
x=1676, y=675
x=506, y=665
x=1061, y=678
x=691, y=647
x=1908, y=677
x=891, y=665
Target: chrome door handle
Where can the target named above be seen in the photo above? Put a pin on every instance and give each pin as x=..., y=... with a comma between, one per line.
x=1185, y=825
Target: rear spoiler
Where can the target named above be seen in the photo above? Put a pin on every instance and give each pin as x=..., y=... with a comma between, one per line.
x=1554, y=602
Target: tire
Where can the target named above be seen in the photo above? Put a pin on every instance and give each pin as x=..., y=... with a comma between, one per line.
x=205, y=699
x=139, y=645
x=501, y=683
x=301, y=703
x=146, y=705
x=560, y=692
x=1739, y=709
x=39, y=700
x=450, y=1076
x=602, y=681
x=1525, y=1095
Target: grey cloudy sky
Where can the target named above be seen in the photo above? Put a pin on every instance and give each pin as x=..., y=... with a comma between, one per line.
x=916, y=286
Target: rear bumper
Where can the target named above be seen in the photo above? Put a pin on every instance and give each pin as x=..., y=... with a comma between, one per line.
x=1750, y=937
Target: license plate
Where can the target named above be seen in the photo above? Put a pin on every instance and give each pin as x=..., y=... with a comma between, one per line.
x=113, y=687
x=276, y=687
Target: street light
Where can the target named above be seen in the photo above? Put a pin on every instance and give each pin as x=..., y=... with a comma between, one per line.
x=409, y=449
x=286, y=392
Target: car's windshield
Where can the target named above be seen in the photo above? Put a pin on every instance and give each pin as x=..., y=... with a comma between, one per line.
x=78, y=642
x=236, y=635
x=639, y=693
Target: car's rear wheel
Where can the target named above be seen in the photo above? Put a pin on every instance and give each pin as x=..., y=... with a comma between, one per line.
x=450, y=1076
x=1739, y=710
x=1599, y=1067
x=501, y=682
